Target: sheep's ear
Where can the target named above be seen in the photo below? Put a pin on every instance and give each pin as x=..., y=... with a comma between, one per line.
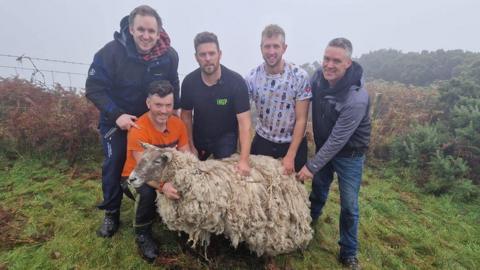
x=167, y=156
x=147, y=145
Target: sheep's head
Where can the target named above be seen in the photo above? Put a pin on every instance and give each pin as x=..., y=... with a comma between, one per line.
x=150, y=166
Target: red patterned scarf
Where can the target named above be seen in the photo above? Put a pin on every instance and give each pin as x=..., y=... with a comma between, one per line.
x=160, y=48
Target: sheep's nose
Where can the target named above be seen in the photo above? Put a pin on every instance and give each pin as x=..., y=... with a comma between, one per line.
x=131, y=179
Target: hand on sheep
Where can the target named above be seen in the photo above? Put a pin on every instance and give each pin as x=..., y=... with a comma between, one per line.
x=243, y=168
x=288, y=164
x=170, y=192
x=126, y=121
x=194, y=150
x=304, y=174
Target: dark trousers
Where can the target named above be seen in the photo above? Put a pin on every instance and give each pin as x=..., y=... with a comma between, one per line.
x=114, y=151
x=221, y=147
x=262, y=146
x=145, y=207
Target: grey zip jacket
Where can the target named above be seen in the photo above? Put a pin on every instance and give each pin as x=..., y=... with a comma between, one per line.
x=340, y=116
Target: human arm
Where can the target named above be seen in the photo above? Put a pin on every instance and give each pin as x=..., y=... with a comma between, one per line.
x=244, y=125
x=183, y=144
x=187, y=118
x=304, y=174
x=244, y=120
x=301, y=115
x=186, y=114
x=345, y=126
x=100, y=82
x=126, y=121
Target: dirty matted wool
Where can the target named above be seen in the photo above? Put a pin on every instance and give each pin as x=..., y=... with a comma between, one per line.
x=267, y=210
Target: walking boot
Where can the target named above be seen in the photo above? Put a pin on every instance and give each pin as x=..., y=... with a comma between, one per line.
x=146, y=243
x=351, y=263
x=110, y=224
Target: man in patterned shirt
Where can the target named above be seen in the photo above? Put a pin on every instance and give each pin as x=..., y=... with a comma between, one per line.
x=281, y=93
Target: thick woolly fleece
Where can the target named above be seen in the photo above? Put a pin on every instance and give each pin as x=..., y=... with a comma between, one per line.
x=267, y=210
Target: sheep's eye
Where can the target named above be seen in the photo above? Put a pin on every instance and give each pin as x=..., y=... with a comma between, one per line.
x=157, y=161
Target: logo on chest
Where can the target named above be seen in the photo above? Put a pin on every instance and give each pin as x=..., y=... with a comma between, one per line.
x=222, y=101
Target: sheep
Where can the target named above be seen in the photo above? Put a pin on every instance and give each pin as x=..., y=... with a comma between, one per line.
x=268, y=210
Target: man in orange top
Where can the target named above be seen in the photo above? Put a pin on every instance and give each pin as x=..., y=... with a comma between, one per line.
x=161, y=128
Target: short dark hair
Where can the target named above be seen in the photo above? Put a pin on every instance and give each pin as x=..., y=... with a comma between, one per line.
x=145, y=10
x=161, y=88
x=342, y=43
x=273, y=30
x=205, y=37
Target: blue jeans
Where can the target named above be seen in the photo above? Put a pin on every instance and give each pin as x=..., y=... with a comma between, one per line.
x=114, y=151
x=349, y=172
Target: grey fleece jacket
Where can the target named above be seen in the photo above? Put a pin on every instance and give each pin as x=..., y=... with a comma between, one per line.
x=340, y=115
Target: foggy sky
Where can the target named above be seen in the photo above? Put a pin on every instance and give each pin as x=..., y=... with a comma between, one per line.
x=75, y=30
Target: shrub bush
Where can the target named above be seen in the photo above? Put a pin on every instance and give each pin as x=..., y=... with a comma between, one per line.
x=465, y=191
x=54, y=122
x=448, y=175
x=416, y=148
x=445, y=171
x=449, y=150
x=395, y=109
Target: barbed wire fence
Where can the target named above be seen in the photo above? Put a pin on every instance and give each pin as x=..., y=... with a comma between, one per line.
x=25, y=67
x=48, y=77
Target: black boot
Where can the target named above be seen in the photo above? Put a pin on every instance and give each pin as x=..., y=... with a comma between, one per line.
x=110, y=224
x=146, y=243
x=350, y=263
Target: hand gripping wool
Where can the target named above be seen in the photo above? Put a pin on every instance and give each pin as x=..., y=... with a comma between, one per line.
x=267, y=210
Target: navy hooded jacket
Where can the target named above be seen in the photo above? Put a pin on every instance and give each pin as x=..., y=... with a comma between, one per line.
x=118, y=77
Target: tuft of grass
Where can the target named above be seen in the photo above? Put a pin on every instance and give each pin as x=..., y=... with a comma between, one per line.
x=49, y=222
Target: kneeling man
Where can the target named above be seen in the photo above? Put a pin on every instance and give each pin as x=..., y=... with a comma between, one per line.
x=161, y=128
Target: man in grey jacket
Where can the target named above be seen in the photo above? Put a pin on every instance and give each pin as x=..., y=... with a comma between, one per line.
x=341, y=127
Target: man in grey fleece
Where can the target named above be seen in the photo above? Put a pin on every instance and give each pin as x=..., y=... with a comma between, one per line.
x=341, y=127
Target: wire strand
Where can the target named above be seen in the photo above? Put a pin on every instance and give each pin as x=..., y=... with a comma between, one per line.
x=44, y=59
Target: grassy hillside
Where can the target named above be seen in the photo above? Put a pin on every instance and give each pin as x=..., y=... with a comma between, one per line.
x=48, y=221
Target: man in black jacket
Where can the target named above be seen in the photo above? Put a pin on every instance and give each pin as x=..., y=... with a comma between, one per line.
x=341, y=127
x=117, y=84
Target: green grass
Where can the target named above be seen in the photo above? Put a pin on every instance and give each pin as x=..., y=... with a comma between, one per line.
x=48, y=221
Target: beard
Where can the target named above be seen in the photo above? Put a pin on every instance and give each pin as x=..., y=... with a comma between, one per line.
x=210, y=69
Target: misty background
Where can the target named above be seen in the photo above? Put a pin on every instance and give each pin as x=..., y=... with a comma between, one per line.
x=74, y=30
